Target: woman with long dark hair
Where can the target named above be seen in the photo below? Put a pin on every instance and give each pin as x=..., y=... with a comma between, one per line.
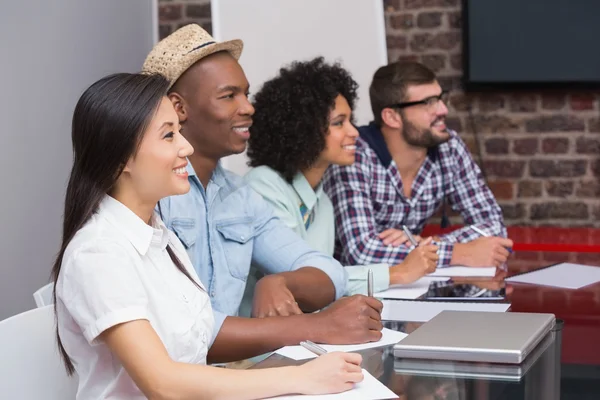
x=133, y=319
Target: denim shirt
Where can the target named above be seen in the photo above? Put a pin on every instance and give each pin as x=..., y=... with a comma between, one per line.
x=228, y=227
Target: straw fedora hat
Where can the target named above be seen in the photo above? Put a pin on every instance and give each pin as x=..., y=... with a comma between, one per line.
x=173, y=55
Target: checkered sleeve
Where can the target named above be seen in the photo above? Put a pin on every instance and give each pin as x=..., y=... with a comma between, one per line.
x=471, y=197
x=350, y=189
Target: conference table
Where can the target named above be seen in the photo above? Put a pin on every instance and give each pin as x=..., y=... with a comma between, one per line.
x=566, y=365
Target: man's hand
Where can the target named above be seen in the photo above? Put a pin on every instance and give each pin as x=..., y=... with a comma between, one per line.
x=420, y=261
x=350, y=320
x=482, y=252
x=272, y=298
x=396, y=237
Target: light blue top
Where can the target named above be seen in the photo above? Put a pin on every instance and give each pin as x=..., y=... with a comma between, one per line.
x=310, y=214
x=228, y=227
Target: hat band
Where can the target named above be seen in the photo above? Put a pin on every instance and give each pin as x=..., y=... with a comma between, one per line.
x=201, y=46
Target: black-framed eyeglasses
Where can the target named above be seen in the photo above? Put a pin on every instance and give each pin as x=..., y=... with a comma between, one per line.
x=428, y=102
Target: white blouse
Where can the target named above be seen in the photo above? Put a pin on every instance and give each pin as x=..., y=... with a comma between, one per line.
x=117, y=269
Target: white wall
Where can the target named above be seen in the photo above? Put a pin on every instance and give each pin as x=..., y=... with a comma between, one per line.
x=50, y=52
x=277, y=32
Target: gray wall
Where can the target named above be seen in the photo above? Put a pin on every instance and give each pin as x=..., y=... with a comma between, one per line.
x=50, y=51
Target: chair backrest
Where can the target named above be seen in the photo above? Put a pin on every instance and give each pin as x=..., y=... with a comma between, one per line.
x=43, y=296
x=29, y=359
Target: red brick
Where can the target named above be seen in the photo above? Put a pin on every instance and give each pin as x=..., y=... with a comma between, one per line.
x=402, y=21
x=164, y=30
x=559, y=210
x=555, y=123
x=559, y=188
x=456, y=62
x=435, y=62
x=526, y=146
x=391, y=5
x=494, y=124
x=512, y=211
x=503, y=190
x=581, y=102
x=396, y=42
x=557, y=256
x=530, y=189
x=419, y=4
x=555, y=145
x=587, y=145
x=588, y=189
x=461, y=101
x=561, y=168
x=455, y=20
x=496, y=146
x=594, y=125
x=589, y=258
x=170, y=12
x=553, y=101
x=426, y=20
x=523, y=103
x=504, y=168
x=491, y=102
x=198, y=10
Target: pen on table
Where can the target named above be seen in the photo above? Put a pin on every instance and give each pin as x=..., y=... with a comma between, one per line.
x=313, y=347
x=409, y=235
x=484, y=234
x=370, y=283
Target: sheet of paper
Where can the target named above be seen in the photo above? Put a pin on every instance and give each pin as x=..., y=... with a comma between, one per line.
x=300, y=353
x=411, y=291
x=459, y=270
x=423, y=311
x=369, y=389
x=564, y=275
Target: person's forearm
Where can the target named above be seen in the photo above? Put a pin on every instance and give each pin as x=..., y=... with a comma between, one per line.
x=242, y=338
x=188, y=381
x=311, y=287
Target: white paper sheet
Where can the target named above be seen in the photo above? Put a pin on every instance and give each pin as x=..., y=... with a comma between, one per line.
x=411, y=291
x=564, y=275
x=459, y=270
x=300, y=353
x=369, y=389
x=423, y=311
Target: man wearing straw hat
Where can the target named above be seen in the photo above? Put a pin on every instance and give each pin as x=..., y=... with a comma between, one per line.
x=226, y=227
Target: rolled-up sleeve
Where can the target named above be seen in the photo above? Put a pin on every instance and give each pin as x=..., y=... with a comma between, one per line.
x=277, y=248
x=357, y=278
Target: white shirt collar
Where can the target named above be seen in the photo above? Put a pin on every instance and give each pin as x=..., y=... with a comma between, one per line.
x=139, y=233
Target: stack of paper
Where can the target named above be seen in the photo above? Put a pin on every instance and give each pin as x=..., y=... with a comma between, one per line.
x=369, y=389
x=423, y=311
x=458, y=270
x=389, y=338
x=411, y=291
x=564, y=275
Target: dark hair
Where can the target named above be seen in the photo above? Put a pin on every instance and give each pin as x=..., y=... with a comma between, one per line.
x=108, y=124
x=391, y=81
x=292, y=115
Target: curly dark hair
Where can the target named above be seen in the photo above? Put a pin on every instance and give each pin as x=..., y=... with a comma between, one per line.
x=292, y=115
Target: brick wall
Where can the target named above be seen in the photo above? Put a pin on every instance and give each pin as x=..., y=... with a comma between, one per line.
x=539, y=150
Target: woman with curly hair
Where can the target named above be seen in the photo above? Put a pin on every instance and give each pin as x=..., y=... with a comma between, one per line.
x=302, y=125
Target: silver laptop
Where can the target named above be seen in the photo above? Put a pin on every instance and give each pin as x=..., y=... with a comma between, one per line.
x=474, y=370
x=493, y=337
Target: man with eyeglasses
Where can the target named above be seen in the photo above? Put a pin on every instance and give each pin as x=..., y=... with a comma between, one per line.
x=408, y=166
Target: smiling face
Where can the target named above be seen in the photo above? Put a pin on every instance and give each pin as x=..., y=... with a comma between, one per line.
x=157, y=169
x=212, y=102
x=340, y=139
x=424, y=125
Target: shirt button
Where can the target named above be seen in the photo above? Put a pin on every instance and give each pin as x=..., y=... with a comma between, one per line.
x=241, y=238
x=212, y=294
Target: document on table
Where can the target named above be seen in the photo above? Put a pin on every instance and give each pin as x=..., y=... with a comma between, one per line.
x=459, y=270
x=369, y=389
x=410, y=291
x=564, y=275
x=423, y=311
x=300, y=353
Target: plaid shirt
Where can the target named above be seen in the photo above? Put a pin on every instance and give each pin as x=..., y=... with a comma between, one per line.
x=368, y=198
